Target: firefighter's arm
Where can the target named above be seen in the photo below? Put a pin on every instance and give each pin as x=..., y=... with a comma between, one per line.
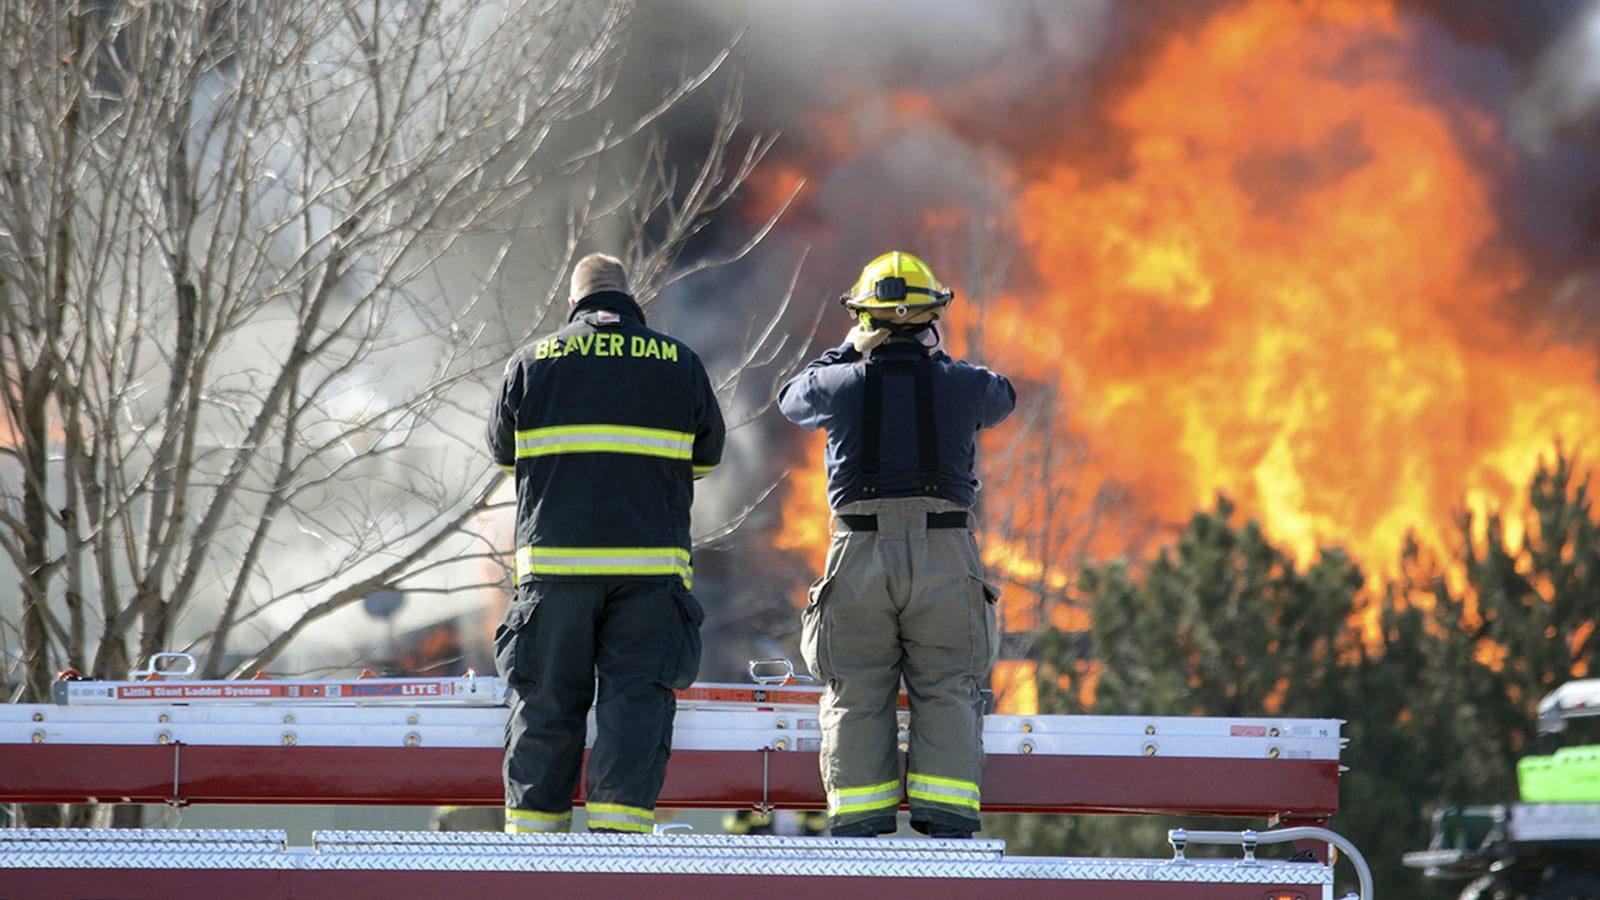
x=502, y=426
x=999, y=400
x=801, y=400
x=711, y=431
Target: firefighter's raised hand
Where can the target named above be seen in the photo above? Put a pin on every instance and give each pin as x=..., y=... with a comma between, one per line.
x=864, y=339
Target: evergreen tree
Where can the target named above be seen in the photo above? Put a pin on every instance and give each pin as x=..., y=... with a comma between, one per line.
x=1438, y=702
x=1223, y=624
x=1404, y=708
x=1537, y=604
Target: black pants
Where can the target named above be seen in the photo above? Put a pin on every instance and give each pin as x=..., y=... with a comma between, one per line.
x=640, y=640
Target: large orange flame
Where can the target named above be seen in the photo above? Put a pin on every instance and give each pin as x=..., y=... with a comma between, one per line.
x=1296, y=293
x=1293, y=290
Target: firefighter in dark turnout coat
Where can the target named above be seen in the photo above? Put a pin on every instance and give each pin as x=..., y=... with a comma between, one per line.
x=606, y=425
x=903, y=594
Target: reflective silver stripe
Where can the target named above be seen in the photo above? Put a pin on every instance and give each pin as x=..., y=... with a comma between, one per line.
x=543, y=560
x=621, y=818
x=844, y=801
x=946, y=791
x=527, y=821
x=604, y=439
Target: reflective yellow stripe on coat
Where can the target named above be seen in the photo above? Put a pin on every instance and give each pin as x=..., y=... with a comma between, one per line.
x=604, y=439
x=542, y=560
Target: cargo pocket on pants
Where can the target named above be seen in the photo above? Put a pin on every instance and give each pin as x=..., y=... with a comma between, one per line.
x=508, y=636
x=690, y=615
x=987, y=610
x=812, y=645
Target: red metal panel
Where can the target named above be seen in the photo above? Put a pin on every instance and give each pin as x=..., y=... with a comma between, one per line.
x=216, y=774
x=717, y=779
x=1161, y=784
x=142, y=884
x=68, y=773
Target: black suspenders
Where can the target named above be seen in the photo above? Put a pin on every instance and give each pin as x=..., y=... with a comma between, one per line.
x=921, y=371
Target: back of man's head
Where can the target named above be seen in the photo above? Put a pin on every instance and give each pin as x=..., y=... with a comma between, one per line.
x=595, y=273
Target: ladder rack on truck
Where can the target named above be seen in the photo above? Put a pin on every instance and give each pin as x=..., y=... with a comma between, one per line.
x=438, y=742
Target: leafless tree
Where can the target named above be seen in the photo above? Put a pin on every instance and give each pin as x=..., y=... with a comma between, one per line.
x=261, y=263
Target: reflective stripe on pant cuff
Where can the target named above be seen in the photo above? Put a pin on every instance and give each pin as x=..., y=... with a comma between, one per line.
x=872, y=798
x=952, y=792
x=617, y=817
x=528, y=821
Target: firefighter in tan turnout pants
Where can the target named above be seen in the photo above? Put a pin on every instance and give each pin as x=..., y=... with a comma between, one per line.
x=903, y=594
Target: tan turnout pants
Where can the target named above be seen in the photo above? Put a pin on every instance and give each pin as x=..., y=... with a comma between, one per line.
x=909, y=602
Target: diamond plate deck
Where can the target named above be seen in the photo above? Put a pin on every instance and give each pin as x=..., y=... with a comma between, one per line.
x=765, y=858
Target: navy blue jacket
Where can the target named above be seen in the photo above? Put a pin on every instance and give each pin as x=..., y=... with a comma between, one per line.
x=831, y=393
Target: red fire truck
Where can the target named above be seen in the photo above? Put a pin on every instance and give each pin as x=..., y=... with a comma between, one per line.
x=438, y=742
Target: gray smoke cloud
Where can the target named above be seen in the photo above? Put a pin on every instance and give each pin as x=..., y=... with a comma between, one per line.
x=1565, y=89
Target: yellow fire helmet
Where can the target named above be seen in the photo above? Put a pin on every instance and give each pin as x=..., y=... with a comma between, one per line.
x=896, y=284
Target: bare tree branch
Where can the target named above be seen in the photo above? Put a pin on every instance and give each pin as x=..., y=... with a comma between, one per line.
x=260, y=266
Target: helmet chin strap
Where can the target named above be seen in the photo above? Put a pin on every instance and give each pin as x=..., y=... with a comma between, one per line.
x=907, y=329
x=925, y=333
